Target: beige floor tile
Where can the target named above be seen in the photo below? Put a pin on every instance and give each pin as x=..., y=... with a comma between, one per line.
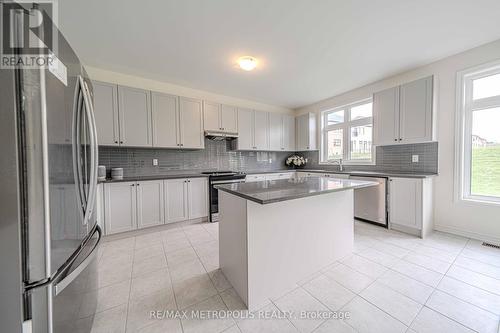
x=149, y=265
x=150, y=283
x=465, y=313
x=298, y=301
x=193, y=290
x=214, y=303
x=329, y=292
x=395, y=304
x=110, y=321
x=140, y=309
x=367, y=318
x=265, y=324
x=430, y=321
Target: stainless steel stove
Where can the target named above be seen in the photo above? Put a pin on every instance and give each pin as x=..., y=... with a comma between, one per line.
x=217, y=178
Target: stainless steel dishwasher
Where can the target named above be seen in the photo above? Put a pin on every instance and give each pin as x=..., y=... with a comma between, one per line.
x=370, y=203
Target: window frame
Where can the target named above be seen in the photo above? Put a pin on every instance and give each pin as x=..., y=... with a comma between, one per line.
x=463, y=130
x=346, y=126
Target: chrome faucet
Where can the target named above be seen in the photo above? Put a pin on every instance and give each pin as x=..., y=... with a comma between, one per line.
x=340, y=163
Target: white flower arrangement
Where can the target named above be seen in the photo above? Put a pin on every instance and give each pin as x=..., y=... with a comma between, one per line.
x=296, y=161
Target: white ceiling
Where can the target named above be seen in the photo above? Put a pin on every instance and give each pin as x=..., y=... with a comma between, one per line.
x=309, y=50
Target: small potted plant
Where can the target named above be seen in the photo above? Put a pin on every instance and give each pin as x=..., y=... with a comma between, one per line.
x=296, y=161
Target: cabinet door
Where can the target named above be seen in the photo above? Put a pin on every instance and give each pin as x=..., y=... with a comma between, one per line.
x=120, y=207
x=150, y=203
x=165, y=120
x=191, y=123
x=275, y=131
x=197, y=198
x=211, y=116
x=306, y=132
x=289, y=133
x=261, y=130
x=405, y=208
x=135, y=117
x=175, y=200
x=106, y=113
x=229, y=118
x=386, y=117
x=416, y=111
x=245, y=129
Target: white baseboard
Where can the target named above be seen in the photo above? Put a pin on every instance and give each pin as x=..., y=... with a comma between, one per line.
x=468, y=234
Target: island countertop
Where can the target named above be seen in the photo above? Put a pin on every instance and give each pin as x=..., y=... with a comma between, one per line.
x=266, y=192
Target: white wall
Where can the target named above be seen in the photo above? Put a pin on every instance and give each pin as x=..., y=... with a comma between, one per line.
x=469, y=219
x=169, y=88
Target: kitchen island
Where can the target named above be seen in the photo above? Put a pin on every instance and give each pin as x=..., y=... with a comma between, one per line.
x=273, y=234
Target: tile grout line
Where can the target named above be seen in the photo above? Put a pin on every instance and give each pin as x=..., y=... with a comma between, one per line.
x=130, y=287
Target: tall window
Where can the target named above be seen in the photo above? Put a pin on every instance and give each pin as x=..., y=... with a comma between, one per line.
x=347, y=133
x=480, y=134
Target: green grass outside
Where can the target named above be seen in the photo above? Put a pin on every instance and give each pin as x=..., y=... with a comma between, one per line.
x=486, y=171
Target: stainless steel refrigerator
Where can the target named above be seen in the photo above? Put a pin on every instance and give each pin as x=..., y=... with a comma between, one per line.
x=49, y=233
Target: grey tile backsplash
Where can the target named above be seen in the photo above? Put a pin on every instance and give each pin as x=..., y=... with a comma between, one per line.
x=392, y=158
x=217, y=155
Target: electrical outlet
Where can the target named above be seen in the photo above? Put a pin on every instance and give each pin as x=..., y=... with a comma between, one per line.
x=155, y=161
x=414, y=158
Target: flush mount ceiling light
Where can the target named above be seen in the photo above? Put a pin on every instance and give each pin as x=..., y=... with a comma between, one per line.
x=247, y=63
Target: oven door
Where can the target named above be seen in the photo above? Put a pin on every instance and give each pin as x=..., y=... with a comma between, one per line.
x=213, y=194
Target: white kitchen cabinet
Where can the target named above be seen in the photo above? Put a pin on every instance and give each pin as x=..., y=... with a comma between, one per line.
x=150, y=203
x=106, y=113
x=275, y=131
x=191, y=123
x=261, y=130
x=211, y=116
x=415, y=100
x=403, y=114
x=165, y=110
x=220, y=117
x=281, y=132
x=197, y=192
x=185, y=198
x=288, y=133
x=176, y=208
x=120, y=207
x=229, y=118
x=410, y=205
x=245, y=130
x=306, y=132
x=134, y=106
x=386, y=117
x=253, y=130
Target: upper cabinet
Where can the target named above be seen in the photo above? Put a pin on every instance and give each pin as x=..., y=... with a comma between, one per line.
x=106, y=113
x=191, y=123
x=253, y=130
x=165, y=109
x=245, y=130
x=404, y=114
x=134, y=106
x=281, y=132
x=220, y=118
x=306, y=132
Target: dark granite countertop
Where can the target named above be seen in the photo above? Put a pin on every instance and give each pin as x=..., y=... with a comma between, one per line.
x=170, y=175
x=193, y=174
x=270, y=191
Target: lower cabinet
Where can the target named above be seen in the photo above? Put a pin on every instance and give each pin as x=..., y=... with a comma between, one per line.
x=185, y=199
x=150, y=203
x=410, y=205
x=120, y=207
x=135, y=205
x=175, y=200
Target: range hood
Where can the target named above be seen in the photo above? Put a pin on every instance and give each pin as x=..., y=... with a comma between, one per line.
x=220, y=136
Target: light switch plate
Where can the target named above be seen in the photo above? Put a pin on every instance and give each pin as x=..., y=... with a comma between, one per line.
x=155, y=161
x=414, y=158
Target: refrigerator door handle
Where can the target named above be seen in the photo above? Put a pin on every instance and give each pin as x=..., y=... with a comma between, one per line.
x=61, y=285
x=77, y=168
x=93, y=149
